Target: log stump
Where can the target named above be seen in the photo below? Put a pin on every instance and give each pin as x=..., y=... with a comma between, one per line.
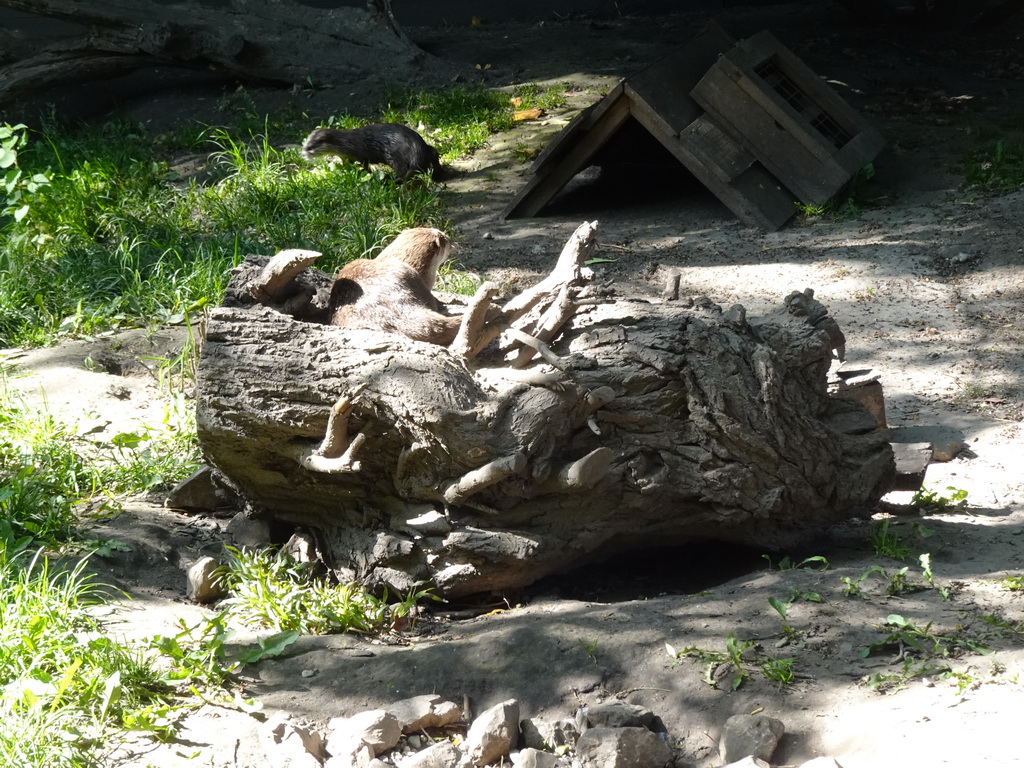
x=665, y=421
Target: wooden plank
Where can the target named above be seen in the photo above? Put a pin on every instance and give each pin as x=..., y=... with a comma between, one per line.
x=757, y=92
x=838, y=164
x=649, y=117
x=664, y=87
x=811, y=176
x=582, y=122
x=810, y=83
x=756, y=197
x=542, y=187
x=912, y=460
x=862, y=149
x=724, y=156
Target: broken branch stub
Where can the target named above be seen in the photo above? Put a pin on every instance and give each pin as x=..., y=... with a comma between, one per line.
x=668, y=423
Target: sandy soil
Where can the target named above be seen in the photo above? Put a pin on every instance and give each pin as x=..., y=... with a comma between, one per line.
x=927, y=286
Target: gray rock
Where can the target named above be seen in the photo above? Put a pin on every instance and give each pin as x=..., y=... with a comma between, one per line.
x=541, y=734
x=427, y=711
x=248, y=532
x=534, y=758
x=821, y=762
x=623, y=748
x=493, y=733
x=203, y=582
x=442, y=754
x=619, y=714
x=301, y=547
x=352, y=755
x=287, y=745
x=198, y=491
x=748, y=762
x=756, y=735
x=377, y=729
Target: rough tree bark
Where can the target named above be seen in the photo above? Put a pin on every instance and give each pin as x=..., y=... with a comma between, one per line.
x=670, y=421
x=275, y=41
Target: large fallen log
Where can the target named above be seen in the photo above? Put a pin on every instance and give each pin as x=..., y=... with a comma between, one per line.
x=668, y=421
x=284, y=42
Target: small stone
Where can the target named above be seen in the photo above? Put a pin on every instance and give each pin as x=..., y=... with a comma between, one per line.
x=308, y=673
x=301, y=547
x=351, y=754
x=377, y=729
x=748, y=762
x=619, y=714
x=623, y=748
x=287, y=745
x=946, y=452
x=198, y=491
x=247, y=532
x=427, y=711
x=204, y=584
x=541, y=734
x=442, y=754
x=744, y=735
x=493, y=733
x=534, y=758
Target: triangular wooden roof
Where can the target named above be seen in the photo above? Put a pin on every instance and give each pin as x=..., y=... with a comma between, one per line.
x=749, y=120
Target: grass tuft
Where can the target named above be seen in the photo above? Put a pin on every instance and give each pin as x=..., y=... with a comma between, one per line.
x=118, y=239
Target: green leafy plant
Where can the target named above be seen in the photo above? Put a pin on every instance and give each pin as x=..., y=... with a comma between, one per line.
x=451, y=279
x=1012, y=583
x=18, y=186
x=782, y=608
x=535, y=96
x=888, y=543
x=897, y=582
x=733, y=656
x=998, y=164
x=816, y=562
x=66, y=686
x=934, y=503
x=269, y=588
x=779, y=671
x=850, y=201
x=589, y=648
x=909, y=639
x=925, y=561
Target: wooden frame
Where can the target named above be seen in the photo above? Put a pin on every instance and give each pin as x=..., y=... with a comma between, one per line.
x=720, y=108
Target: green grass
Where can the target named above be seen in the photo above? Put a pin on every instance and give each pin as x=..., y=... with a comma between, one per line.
x=47, y=469
x=117, y=239
x=269, y=589
x=998, y=165
x=454, y=121
x=99, y=231
x=66, y=685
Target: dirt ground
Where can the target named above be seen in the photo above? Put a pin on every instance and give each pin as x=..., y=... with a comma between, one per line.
x=927, y=285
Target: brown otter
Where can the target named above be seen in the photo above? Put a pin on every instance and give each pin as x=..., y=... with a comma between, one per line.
x=389, y=143
x=392, y=292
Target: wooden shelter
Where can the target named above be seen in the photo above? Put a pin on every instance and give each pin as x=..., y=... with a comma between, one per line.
x=749, y=120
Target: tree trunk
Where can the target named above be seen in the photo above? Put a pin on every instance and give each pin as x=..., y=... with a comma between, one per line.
x=671, y=421
x=276, y=41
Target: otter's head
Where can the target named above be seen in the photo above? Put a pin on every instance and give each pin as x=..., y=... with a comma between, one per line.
x=317, y=144
x=424, y=249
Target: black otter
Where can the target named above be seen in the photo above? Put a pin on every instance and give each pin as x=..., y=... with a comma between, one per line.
x=389, y=143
